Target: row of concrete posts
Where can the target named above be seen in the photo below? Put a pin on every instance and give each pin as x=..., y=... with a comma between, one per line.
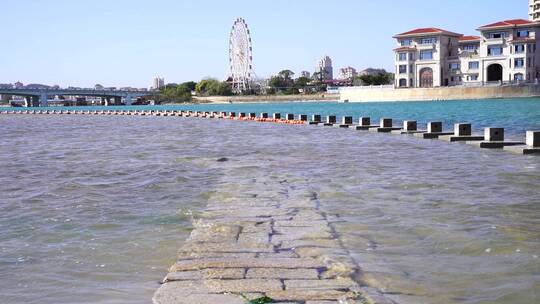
x=492, y=138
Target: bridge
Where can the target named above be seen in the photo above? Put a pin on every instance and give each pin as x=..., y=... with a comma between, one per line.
x=40, y=97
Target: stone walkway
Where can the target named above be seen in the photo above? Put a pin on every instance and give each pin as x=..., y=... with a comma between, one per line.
x=277, y=243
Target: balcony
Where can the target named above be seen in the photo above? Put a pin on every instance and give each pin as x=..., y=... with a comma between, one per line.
x=492, y=41
x=428, y=46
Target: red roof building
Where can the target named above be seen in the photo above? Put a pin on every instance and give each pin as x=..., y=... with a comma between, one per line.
x=426, y=31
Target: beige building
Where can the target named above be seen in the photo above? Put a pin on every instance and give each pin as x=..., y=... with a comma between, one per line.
x=505, y=51
x=347, y=73
x=534, y=10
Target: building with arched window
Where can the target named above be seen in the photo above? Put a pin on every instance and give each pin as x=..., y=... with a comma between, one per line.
x=505, y=51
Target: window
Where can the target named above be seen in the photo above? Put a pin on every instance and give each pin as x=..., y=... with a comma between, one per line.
x=453, y=66
x=519, y=62
x=518, y=77
x=495, y=51
x=402, y=83
x=402, y=56
x=429, y=40
x=470, y=47
x=474, y=77
x=403, y=69
x=497, y=35
x=519, y=48
x=426, y=55
x=406, y=42
x=522, y=33
x=474, y=65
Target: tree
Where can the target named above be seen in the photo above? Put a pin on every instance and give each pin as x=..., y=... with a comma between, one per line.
x=174, y=93
x=302, y=81
x=374, y=79
x=190, y=84
x=210, y=86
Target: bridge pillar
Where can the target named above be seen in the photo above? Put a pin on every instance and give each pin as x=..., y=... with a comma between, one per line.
x=129, y=100
x=43, y=100
x=117, y=100
x=105, y=101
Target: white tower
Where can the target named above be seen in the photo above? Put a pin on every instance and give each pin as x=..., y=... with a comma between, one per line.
x=325, y=69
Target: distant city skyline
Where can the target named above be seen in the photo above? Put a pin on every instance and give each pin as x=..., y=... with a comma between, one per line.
x=126, y=43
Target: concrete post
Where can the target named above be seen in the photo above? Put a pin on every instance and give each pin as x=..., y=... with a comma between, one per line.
x=533, y=139
x=242, y=115
x=303, y=117
x=264, y=115
x=434, y=127
x=365, y=121
x=276, y=115
x=289, y=116
x=252, y=115
x=232, y=114
x=494, y=134
x=410, y=125
x=346, y=120
x=386, y=122
x=331, y=119
x=462, y=129
x=316, y=118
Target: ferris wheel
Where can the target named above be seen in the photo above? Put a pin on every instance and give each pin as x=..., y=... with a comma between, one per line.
x=240, y=56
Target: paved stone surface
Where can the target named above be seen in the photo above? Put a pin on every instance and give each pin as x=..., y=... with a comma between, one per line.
x=274, y=243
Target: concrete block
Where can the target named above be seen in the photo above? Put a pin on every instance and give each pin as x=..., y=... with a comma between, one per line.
x=303, y=117
x=365, y=121
x=433, y=135
x=289, y=116
x=232, y=114
x=522, y=149
x=276, y=115
x=533, y=139
x=410, y=125
x=264, y=115
x=494, y=134
x=434, y=127
x=462, y=129
x=331, y=119
x=495, y=144
x=383, y=130
x=242, y=115
x=347, y=120
x=454, y=138
x=386, y=122
x=252, y=115
x=316, y=118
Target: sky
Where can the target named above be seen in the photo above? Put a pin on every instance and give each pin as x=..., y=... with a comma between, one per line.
x=128, y=42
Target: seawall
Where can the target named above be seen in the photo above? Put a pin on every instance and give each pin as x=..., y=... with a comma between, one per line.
x=365, y=94
x=267, y=98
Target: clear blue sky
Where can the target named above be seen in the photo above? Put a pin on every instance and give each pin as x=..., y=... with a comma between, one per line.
x=128, y=42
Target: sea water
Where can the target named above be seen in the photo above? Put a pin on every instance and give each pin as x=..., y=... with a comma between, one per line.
x=93, y=208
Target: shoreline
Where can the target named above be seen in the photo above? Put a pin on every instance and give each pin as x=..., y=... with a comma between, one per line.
x=266, y=98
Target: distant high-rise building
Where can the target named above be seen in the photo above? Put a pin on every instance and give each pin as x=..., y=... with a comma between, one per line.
x=324, y=68
x=534, y=10
x=305, y=74
x=347, y=73
x=158, y=83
